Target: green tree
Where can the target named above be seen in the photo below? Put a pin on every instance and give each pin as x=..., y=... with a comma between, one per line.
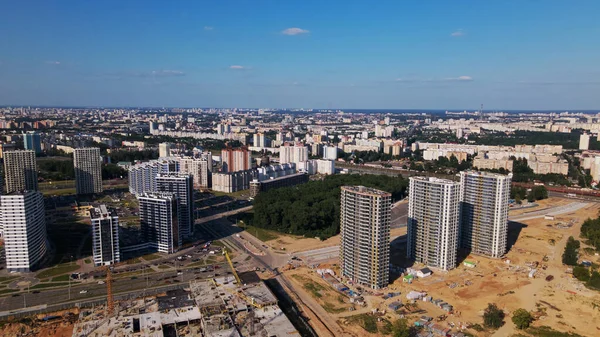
x=594, y=281
x=522, y=318
x=570, y=255
x=402, y=329
x=581, y=273
x=493, y=317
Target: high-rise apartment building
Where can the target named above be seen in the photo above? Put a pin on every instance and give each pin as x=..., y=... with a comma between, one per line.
x=199, y=168
x=234, y=160
x=433, y=222
x=105, y=236
x=88, y=170
x=259, y=140
x=142, y=177
x=182, y=186
x=584, y=141
x=484, y=212
x=32, y=141
x=298, y=153
x=24, y=220
x=20, y=171
x=365, y=217
x=330, y=152
x=159, y=221
x=164, y=150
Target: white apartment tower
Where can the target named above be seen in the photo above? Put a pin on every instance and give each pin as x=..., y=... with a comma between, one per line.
x=88, y=170
x=159, y=221
x=182, y=185
x=199, y=168
x=484, y=212
x=142, y=177
x=20, y=171
x=293, y=154
x=105, y=236
x=330, y=152
x=24, y=220
x=433, y=226
x=584, y=141
x=365, y=217
x=164, y=150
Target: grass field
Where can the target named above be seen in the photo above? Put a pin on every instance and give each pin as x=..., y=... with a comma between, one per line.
x=151, y=257
x=49, y=285
x=61, y=278
x=58, y=270
x=259, y=233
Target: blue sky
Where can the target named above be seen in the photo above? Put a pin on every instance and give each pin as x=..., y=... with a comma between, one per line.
x=509, y=54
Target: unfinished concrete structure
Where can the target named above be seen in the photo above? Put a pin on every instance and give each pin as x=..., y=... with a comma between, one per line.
x=365, y=217
x=484, y=212
x=433, y=226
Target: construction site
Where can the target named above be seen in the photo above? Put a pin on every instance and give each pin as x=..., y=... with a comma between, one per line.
x=223, y=306
x=451, y=303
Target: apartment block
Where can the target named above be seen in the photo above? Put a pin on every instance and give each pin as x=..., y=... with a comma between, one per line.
x=484, y=212
x=142, y=177
x=234, y=160
x=159, y=221
x=365, y=217
x=88, y=170
x=24, y=220
x=105, y=236
x=182, y=186
x=200, y=168
x=20, y=171
x=233, y=181
x=433, y=222
x=493, y=164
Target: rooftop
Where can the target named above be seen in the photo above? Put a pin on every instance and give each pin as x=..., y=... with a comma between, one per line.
x=366, y=191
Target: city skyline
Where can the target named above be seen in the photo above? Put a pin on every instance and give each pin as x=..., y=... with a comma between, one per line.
x=438, y=55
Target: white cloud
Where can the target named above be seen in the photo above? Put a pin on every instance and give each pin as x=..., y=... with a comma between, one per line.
x=460, y=78
x=458, y=33
x=294, y=31
x=208, y=28
x=167, y=73
x=237, y=67
x=53, y=62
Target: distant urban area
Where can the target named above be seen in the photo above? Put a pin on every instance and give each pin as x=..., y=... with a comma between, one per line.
x=298, y=222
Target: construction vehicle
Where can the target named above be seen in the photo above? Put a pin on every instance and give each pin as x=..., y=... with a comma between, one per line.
x=237, y=278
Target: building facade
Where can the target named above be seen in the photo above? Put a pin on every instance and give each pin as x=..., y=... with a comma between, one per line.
x=159, y=221
x=484, y=212
x=164, y=150
x=365, y=217
x=233, y=181
x=142, y=177
x=24, y=220
x=199, y=168
x=105, y=236
x=182, y=185
x=32, y=141
x=234, y=160
x=88, y=170
x=433, y=222
x=20, y=171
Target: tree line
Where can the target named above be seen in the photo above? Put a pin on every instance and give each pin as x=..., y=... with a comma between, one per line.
x=313, y=209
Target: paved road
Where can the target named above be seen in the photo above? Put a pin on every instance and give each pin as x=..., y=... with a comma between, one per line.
x=134, y=285
x=535, y=214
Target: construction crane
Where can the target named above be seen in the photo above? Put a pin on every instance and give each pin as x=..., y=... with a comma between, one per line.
x=110, y=302
x=237, y=278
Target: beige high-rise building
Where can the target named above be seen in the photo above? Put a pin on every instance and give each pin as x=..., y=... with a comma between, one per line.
x=433, y=227
x=484, y=212
x=20, y=171
x=88, y=170
x=365, y=217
